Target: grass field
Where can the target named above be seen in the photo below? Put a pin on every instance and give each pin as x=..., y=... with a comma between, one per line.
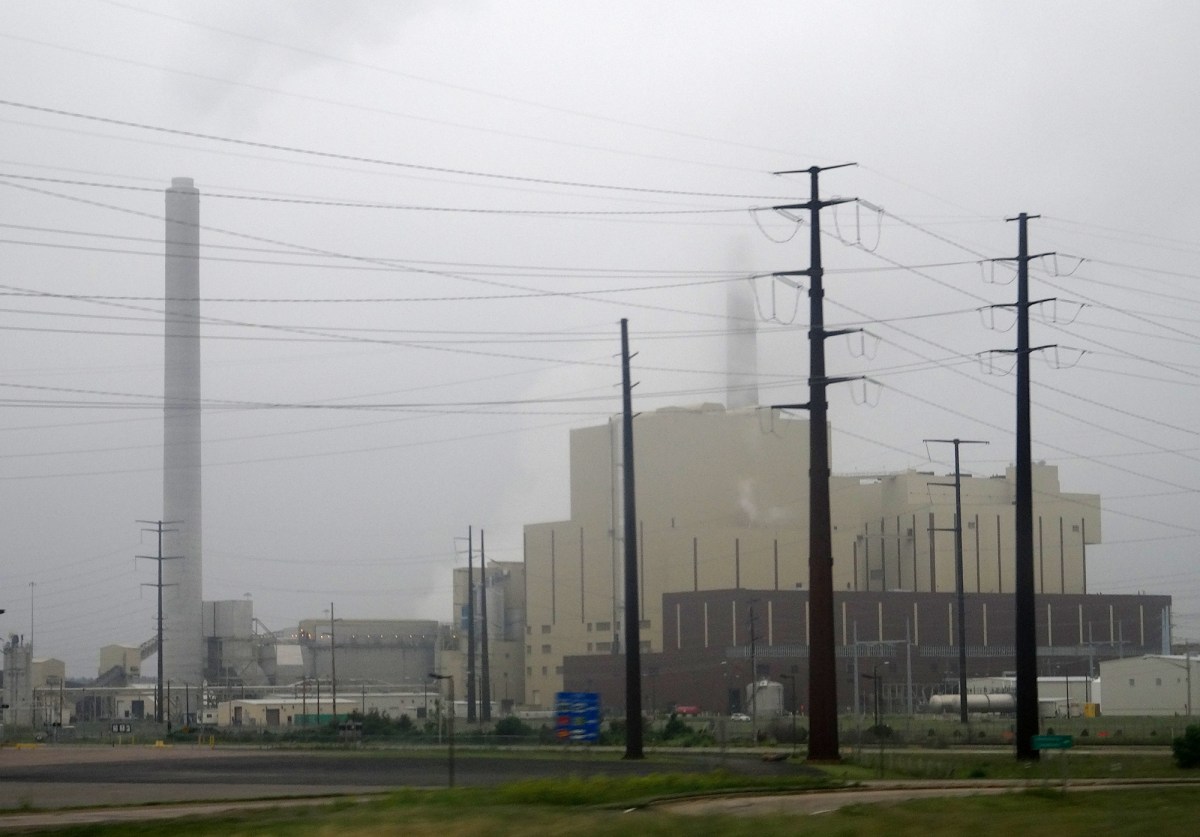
x=579, y=807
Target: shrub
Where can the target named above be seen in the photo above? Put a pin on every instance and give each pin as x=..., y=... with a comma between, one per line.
x=513, y=727
x=675, y=728
x=1186, y=748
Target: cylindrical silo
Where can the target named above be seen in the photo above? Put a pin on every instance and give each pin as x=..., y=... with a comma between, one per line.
x=183, y=643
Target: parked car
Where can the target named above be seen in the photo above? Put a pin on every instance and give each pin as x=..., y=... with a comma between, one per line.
x=739, y=716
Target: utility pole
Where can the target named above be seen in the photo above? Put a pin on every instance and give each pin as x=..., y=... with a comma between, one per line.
x=485, y=670
x=822, y=662
x=959, y=586
x=753, y=677
x=470, y=625
x=633, y=641
x=159, y=530
x=332, y=664
x=1025, y=644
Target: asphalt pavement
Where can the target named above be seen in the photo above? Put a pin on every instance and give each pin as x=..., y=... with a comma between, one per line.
x=73, y=776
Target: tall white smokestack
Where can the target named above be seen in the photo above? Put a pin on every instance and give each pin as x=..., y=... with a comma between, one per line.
x=183, y=641
x=741, y=346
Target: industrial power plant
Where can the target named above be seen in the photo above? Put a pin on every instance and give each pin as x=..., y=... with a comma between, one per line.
x=724, y=589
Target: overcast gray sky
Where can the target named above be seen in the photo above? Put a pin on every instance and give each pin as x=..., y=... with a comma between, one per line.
x=404, y=326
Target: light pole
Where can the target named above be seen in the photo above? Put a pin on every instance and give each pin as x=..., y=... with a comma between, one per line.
x=792, y=677
x=1187, y=667
x=875, y=679
x=1067, y=689
x=449, y=720
x=332, y=663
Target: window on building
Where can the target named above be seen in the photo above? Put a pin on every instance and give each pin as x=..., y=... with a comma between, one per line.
x=529, y=629
x=604, y=626
x=558, y=669
x=644, y=645
x=604, y=646
x=528, y=649
x=1131, y=682
x=545, y=629
x=529, y=671
x=589, y=627
x=1157, y=681
x=545, y=671
x=645, y=623
x=545, y=649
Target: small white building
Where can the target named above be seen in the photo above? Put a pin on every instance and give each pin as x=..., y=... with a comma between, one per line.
x=312, y=708
x=1156, y=684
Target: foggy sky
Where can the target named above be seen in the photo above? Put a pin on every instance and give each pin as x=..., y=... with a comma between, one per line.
x=401, y=329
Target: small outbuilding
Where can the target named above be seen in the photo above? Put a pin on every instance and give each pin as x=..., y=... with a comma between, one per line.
x=1155, y=684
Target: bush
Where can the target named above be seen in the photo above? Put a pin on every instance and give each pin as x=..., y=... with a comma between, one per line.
x=376, y=724
x=513, y=727
x=1186, y=748
x=883, y=732
x=675, y=728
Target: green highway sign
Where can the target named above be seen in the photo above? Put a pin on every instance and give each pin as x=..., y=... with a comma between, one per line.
x=1052, y=742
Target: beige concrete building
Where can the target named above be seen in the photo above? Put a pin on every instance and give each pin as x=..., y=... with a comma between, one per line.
x=127, y=659
x=906, y=535
x=722, y=503
x=502, y=586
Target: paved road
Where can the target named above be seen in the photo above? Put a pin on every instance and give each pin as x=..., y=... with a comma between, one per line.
x=74, y=776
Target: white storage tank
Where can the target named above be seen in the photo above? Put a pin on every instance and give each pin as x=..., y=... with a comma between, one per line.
x=764, y=699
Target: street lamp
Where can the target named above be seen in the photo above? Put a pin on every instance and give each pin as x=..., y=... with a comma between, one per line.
x=449, y=720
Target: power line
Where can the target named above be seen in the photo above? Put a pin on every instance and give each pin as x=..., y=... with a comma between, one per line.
x=347, y=204
x=462, y=267
x=331, y=155
x=350, y=257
